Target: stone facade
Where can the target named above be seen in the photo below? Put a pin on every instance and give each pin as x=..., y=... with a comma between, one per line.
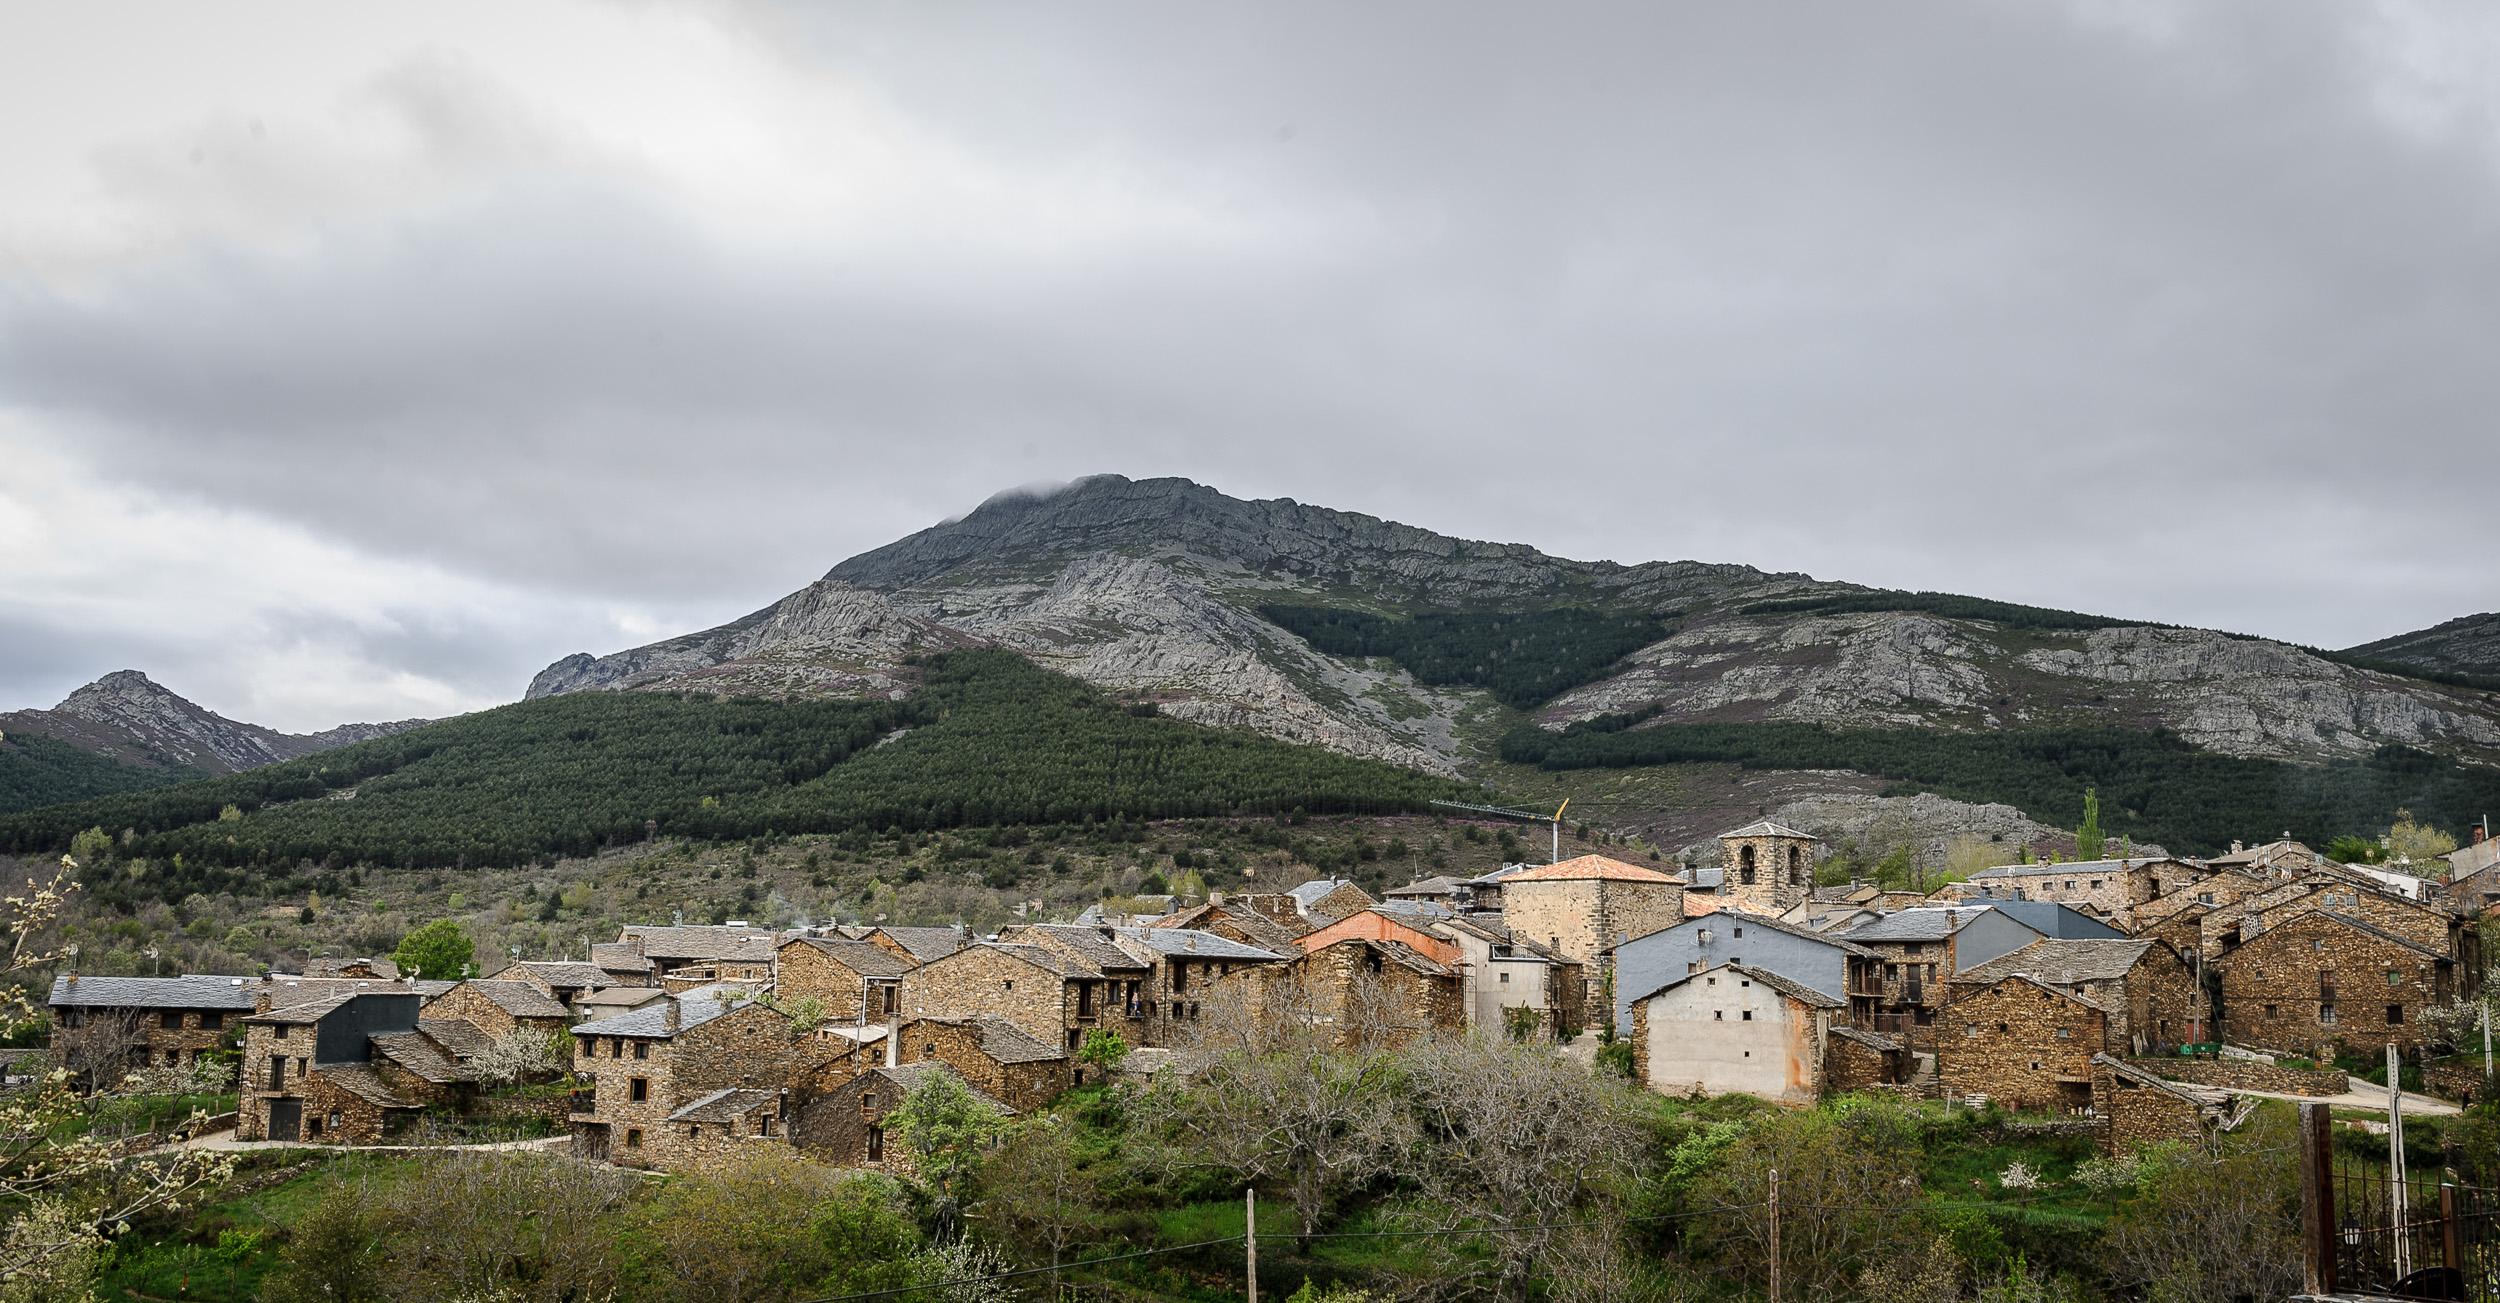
x=1854, y=1059
x=1377, y=993
x=2249, y=1074
x=1767, y=866
x=2109, y=888
x=2323, y=980
x=1582, y=908
x=1023, y=1073
x=2138, y=1109
x=631, y=1083
x=2148, y=993
x=2252, y=915
x=856, y=983
x=1049, y=995
x=846, y=1125
x=2021, y=1044
x=491, y=1005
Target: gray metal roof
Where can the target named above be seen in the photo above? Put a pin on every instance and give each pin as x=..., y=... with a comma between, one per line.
x=2051, y=919
x=70, y=991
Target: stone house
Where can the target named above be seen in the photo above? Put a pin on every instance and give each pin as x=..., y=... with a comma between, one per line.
x=1246, y=926
x=1734, y=1030
x=637, y=1069
x=2278, y=858
x=1441, y=889
x=2108, y=888
x=1381, y=924
x=2021, y=1043
x=1767, y=866
x=1857, y=1059
x=854, y=982
x=1583, y=907
x=2323, y=980
x=1500, y=970
x=919, y=945
x=1189, y=964
x=2148, y=994
x=1375, y=993
x=670, y=948
x=997, y=1057
x=385, y=969
x=1920, y=951
x=2429, y=927
x=1832, y=965
x=846, y=1125
x=1319, y=901
x=718, y=1128
x=2138, y=1108
x=623, y=964
x=2210, y=892
x=609, y=1001
x=1051, y=995
x=278, y=990
x=1120, y=990
x=346, y=1070
x=502, y=1007
x=561, y=980
x=107, y=1025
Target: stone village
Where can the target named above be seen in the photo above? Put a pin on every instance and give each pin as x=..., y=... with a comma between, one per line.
x=2141, y=994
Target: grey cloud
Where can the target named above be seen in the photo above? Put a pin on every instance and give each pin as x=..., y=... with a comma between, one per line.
x=1977, y=297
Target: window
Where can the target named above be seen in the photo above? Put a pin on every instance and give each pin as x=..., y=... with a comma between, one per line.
x=312, y=1128
x=2204, y=898
x=1748, y=1015
x=1796, y=868
x=642, y=1049
x=2395, y=1015
x=281, y=1032
x=633, y=1137
x=876, y=1144
x=2392, y=978
x=639, y=1089
x=616, y=1047
x=1692, y=968
x=1744, y=865
x=2070, y=884
x=1709, y=981
x=2065, y=1033
x=1740, y=934
x=170, y=1020
x=2274, y=1011
x=1007, y=985
x=1745, y=983
x=2326, y=1015
x=764, y=1125
x=1892, y=972
x=1931, y=972
x=302, y=1067
x=1970, y=1030
x=1718, y=1015
x=335, y=1119
x=212, y=1020
x=2096, y=884
x=1505, y=978
x=867, y=1106
x=2317, y=947
x=694, y=1131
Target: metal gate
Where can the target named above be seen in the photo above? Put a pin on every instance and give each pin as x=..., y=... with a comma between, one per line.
x=2439, y=1240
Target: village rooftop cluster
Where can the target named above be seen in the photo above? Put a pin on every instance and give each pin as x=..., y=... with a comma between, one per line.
x=2138, y=992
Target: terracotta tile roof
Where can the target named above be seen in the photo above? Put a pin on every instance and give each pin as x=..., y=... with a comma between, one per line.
x=1589, y=867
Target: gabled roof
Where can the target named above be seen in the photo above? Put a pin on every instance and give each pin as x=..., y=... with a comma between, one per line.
x=285, y=989
x=2051, y=919
x=724, y=1105
x=1924, y=923
x=2202, y=1096
x=662, y=1019
x=459, y=1037
x=1054, y=962
x=2074, y=866
x=1975, y=992
x=1766, y=828
x=328, y=967
x=618, y=957
x=1099, y=947
x=418, y=1053
x=1410, y=911
x=520, y=999
x=1871, y=1040
x=1441, y=885
x=1775, y=924
x=1003, y=1041
x=362, y=1082
x=2227, y=956
x=858, y=956
x=2062, y=962
x=1317, y=890
x=1195, y=945
x=1268, y=933
x=1396, y=952
x=714, y=942
x=617, y=998
x=1588, y=868
x=910, y=1075
x=926, y=943
x=561, y=972
x=70, y=991
x=1805, y=995
x=303, y=1012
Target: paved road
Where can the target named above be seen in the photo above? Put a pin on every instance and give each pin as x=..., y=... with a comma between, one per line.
x=2374, y=1099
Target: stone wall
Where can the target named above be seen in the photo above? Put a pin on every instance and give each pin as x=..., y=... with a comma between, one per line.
x=2249, y=1074
x=981, y=980
x=2272, y=992
x=807, y=973
x=2134, y=1115
x=1851, y=1064
x=2022, y=1045
x=1783, y=871
x=1024, y=1087
x=1376, y=1001
x=846, y=1126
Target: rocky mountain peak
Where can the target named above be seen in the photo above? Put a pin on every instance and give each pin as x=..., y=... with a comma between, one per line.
x=130, y=717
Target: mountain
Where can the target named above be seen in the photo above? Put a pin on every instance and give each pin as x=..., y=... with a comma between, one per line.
x=1343, y=630
x=125, y=732
x=2467, y=646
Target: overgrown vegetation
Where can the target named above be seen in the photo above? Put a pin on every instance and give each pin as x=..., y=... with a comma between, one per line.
x=1523, y=658
x=989, y=739
x=2152, y=786
x=1951, y=606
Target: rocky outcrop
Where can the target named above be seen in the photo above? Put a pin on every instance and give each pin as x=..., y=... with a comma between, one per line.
x=2469, y=644
x=129, y=717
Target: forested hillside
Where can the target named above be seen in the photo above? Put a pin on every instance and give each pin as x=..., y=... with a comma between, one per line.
x=988, y=739
x=36, y=770
x=1523, y=658
x=2157, y=786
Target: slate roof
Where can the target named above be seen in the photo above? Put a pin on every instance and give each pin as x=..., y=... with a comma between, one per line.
x=1803, y=994
x=715, y=942
x=417, y=1052
x=382, y=968
x=1408, y=956
x=1003, y=1041
x=724, y=1105
x=927, y=943
x=2061, y=962
x=1776, y=924
x=1317, y=889
x=1042, y=957
x=1766, y=828
x=563, y=972
x=1585, y=868
x=1974, y=992
x=1441, y=885
x=2349, y=921
x=618, y=957
x=1924, y=923
x=1091, y=945
x=1273, y=934
x=188, y=992
x=660, y=1019
x=615, y=998
x=858, y=956
x=910, y=1075
x=364, y=1083
x=1872, y=1040
x=462, y=1038
x=302, y=1012
x=2051, y=919
x=1412, y=911
x=286, y=989
x=2072, y=866
x=520, y=999
x=2204, y=1096
x=1196, y=945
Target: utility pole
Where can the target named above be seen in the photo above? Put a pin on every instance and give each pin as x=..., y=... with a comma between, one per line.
x=1775, y=1235
x=1556, y=857
x=2396, y=1191
x=1250, y=1238
x=2486, y=1035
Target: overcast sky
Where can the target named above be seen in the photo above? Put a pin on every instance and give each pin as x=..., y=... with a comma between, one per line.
x=356, y=361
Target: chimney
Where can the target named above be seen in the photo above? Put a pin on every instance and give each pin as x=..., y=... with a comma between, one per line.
x=893, y=1053
x=2237, y=846
x=2482, y=830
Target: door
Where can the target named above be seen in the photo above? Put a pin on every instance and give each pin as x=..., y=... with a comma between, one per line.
x=277, y=1072
x=286, y=1119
